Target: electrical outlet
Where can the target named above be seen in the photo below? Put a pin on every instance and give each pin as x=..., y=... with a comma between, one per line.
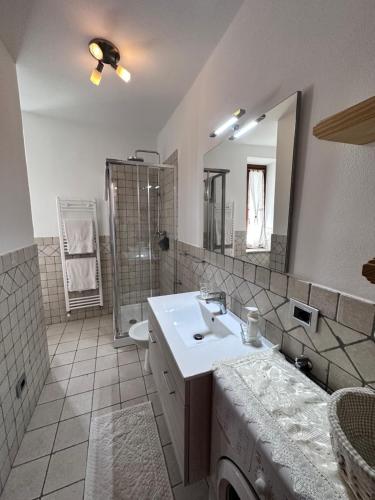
x=305, y=315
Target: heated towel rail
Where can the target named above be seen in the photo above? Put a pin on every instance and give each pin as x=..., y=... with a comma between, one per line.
x=79, y=209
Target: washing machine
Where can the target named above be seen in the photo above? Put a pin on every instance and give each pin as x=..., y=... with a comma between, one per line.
x=231, y=484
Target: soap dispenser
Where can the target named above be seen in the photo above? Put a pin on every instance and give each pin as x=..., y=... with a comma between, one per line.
x=253, y=334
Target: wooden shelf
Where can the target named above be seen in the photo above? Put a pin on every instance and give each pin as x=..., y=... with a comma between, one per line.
x=368, y=271
x=354, y=125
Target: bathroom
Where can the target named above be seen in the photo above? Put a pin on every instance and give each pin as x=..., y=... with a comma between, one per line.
x=187, y=223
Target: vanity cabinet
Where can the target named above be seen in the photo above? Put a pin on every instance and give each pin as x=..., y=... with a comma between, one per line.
x=186, y=406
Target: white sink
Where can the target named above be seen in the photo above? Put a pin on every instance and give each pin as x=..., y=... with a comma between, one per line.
x=195, y=318
x=181, y=316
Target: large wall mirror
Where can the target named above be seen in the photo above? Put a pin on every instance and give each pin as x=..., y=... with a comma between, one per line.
x=247, y=189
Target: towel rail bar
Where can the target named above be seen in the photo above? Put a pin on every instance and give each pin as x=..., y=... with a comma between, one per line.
x=79, y=209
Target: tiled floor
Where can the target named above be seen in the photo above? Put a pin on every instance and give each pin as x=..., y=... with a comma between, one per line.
x=88, y=377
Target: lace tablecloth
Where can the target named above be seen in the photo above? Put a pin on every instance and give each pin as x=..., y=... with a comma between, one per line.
x=272, y=401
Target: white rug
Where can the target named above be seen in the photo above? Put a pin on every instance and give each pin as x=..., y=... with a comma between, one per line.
x=125, y=458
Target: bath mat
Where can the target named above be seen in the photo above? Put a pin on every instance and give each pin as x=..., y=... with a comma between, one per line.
x=125, y=459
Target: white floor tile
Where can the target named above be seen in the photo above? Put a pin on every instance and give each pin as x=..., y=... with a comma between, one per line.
x=59, y=373
x=66, y=467
x=73, y=492
x=36, y=444
x=106, y=350
x=80, y=384
x=62, y=359
x=66, y=347
x=83, y=367
x=53, y=391
x=106, y=396
x=130, y=371
x=45, y=414
x=127, y=357
x=105, y=339
x=77, y=405
x=132, y=389
x=106, y=362
x=106, y=410
x=134, y=402
x=84, y=354
x=106, y=377
x=26, y=481
x=86, y=343
x=72, y=432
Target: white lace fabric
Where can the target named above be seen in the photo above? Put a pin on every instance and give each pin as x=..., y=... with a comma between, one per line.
x=287, y=411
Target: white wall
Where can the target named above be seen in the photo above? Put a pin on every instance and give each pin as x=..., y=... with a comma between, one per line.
x=270, y=50
x=16, y=230
x=67, y=159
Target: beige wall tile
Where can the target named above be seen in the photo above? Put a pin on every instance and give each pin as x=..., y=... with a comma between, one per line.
x=320, y=365
x=249, y=272
x=346, y=335
x=363, y=356
x=338, y=379
x=298, y=289
x=325, y=300
x=356, y=314
x=279, y=283
x=262, y=277
x=291, y=347
x=273, y=334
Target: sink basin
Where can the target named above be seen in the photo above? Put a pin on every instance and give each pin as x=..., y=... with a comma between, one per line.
x=196, y=323
x=181, y=316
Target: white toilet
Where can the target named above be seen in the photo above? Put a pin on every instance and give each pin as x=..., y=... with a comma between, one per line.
x=139, y=333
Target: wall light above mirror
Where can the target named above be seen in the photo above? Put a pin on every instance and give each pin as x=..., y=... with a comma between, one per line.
x=248, y=188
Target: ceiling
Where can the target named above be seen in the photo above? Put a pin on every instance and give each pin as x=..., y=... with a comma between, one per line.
x=163, y=43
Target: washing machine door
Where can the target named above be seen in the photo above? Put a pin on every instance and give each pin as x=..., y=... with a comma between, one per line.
x=231, y=483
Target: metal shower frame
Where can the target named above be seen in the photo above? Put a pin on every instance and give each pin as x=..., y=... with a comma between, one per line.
x=121, y=340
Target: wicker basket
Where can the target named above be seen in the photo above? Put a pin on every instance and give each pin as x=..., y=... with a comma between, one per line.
x=351, y=414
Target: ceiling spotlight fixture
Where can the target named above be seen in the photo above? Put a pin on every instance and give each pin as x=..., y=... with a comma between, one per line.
x=106, y=52
x=248, y=126
x=229, y=123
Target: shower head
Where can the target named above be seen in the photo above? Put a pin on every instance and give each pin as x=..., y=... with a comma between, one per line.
x=135, y=158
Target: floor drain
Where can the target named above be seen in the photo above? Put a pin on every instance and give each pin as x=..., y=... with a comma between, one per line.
x=133, y=321
x=198, y=336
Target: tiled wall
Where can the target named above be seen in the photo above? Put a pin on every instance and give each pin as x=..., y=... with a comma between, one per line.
x=23, y=348
x=53, y=285
x=168, y=223
x=343, y=349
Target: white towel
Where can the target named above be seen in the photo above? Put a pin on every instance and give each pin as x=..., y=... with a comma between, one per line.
x=81, y=274
x=79, y=235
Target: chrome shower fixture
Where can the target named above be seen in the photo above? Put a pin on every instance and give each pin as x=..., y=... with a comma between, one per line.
x=135, y=157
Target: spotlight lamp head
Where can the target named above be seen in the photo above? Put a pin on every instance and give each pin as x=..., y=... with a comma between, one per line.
x=229, y=123
x=105, y=52
x=239, y=132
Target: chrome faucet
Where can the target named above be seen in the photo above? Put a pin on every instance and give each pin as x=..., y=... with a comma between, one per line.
x=219, y=298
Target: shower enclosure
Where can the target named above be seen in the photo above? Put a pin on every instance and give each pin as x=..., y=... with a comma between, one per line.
x=142, y=217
